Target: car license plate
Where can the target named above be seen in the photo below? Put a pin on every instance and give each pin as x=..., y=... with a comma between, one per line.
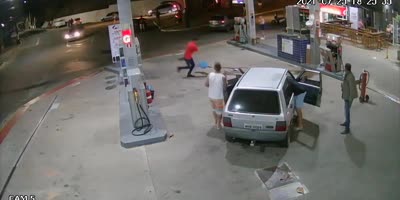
x=253, y=126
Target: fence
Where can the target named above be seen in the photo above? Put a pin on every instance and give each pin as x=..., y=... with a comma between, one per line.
x=368, y=38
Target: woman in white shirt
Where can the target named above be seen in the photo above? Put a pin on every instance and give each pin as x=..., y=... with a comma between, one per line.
x=216, y=83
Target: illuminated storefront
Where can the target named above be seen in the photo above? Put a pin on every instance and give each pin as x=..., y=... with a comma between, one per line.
x=332, y=13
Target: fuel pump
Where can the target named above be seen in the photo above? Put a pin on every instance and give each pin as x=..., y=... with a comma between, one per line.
x=332, y=53
x=240, y=30
x=143, y=122
x=364, y=79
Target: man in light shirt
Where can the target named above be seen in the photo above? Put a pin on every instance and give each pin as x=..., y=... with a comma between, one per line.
x=216, y=83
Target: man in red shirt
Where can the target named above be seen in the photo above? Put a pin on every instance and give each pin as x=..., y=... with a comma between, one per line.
x=191, y=48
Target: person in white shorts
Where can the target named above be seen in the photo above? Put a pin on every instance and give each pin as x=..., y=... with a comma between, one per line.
x=216, y=83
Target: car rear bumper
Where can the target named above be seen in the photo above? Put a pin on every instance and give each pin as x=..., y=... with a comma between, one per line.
x=217, y=27
x=255, y=135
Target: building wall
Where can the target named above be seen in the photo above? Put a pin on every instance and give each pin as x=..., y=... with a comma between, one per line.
x=138, y=8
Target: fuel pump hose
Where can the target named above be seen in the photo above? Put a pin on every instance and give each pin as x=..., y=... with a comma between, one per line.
x=143, y=122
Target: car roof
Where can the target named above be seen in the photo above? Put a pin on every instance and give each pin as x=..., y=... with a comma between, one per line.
x=262, y=77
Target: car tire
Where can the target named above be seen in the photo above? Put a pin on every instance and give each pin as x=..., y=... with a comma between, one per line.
x=229, y=138
x=285, y=143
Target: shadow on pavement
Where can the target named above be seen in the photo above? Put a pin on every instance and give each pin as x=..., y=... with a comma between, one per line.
x=356, y=150
x=308, y=137
x=240, y=153
x=261, y=155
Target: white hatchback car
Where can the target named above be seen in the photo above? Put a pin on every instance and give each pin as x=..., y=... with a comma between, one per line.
x=261, y=104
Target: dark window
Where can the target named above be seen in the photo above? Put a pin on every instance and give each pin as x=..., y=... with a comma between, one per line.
x=287, y=91
x=255, y=101
x=217, y=17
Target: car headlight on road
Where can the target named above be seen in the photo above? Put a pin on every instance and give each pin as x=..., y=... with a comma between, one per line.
x=66, y=36
x=77, y=34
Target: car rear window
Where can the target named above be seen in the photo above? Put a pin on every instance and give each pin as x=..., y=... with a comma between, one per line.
x=217, y=17
x=255, y=101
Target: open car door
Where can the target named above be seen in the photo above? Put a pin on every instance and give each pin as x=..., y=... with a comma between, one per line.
x=237, y=73
x=312, y=82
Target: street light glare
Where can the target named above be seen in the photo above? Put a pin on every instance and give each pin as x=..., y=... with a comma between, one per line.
x=2, y=25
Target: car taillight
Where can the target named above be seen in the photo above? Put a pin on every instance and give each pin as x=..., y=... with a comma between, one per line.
x=223, y=21
x=280, y=126
x=227, y=122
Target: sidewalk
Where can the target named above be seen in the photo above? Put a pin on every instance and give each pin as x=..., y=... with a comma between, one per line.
x=75, y=153
x=385, y=75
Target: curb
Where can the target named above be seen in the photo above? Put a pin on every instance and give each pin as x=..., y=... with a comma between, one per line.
x=270, y=11
x=178, y=30
x=112, y=69
x=5, y=130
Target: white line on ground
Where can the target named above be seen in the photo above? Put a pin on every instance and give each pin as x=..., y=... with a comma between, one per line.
x=75, y=84
x=37, y=42
x=150, y=188
x=55, y=106
x=21, y=155
x=386, y=95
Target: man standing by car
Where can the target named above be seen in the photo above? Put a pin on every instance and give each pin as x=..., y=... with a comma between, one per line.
x=142, y=24
x=349, y=93
x=216, y=83
x=191, y=48
x=299, y=92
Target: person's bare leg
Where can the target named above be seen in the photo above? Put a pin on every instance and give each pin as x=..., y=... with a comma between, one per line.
x=299, y=118
x=215, y=117
x=219, y=119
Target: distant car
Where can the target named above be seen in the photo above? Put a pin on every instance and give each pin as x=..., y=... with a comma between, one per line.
x=60, y=23
x=110, y=17
x=278, y=20
x=77, y=21
x=164, y=9
x=75, y=32
x=221, y=22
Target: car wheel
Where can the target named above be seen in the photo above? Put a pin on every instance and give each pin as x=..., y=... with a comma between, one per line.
x=285, y=143
x=229, y=138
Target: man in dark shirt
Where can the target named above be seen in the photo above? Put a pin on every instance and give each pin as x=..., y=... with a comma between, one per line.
x=299, y=93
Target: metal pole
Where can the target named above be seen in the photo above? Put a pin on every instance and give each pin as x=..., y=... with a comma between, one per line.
x=250, y=21
x=314, y=35
x=130, y=56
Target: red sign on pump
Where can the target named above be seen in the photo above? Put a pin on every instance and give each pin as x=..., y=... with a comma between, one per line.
x=127, y=37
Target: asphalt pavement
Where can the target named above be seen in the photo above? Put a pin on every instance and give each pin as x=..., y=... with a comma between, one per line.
x=45, y=60
x=75, y=153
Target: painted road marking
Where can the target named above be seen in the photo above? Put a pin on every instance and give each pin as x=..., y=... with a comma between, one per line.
x=37, y=42
x=4, y=131
x=386, y=95
x=25, y=147
x=55, y=106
